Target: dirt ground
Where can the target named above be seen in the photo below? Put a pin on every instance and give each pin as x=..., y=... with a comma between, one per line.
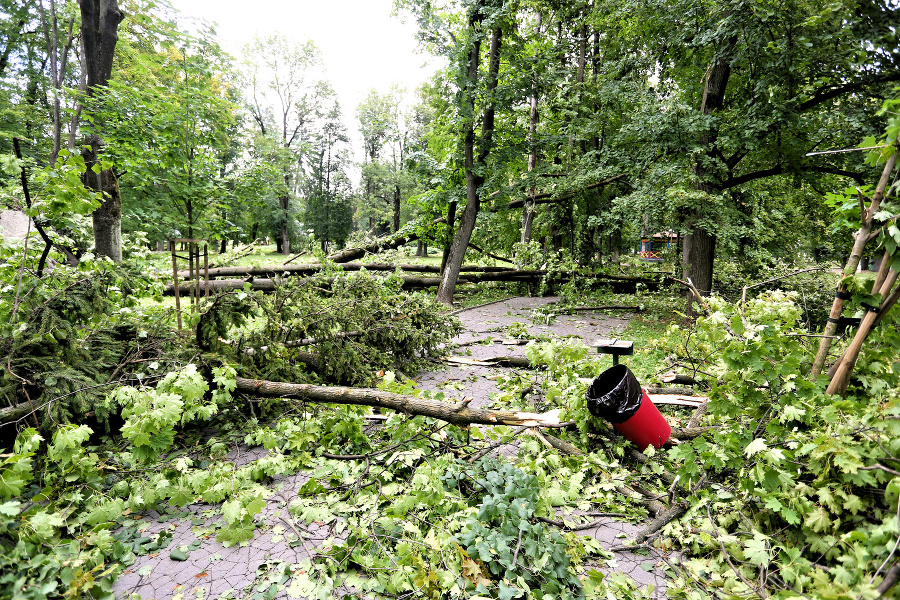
x=210, y=570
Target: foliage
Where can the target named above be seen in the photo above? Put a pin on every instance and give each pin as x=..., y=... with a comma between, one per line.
x=797, y=493
x=173, y=180
x=69, y=332
x=358, y=324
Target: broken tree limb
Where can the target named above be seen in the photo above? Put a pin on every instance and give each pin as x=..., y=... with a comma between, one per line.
x=692, y=432
x=698, y=415
x=648, y=500
x=14, y=413
x=841, y=379
x=413, y=405
x=313, y=268
x=481, y=250
x=549, y=198
x=679, y=391
x=383, y=243
x=661, y=521
x=518, y=362
x=673, y=377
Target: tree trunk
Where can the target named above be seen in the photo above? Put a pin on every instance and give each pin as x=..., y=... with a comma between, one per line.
x=699, y=243
x=99, y=33
x=396, y=208
x=528, y=210
x=473, y=164
x=284, y=202
x=448, y=239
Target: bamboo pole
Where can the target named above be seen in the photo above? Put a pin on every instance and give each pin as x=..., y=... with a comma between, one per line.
x=842, y=294
x=841, y=377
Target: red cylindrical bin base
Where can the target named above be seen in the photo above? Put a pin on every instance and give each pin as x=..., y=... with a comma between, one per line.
x=646, y=427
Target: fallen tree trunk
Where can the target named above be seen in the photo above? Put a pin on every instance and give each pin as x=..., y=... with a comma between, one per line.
x=384, y=243
x=313, y=268
x=416, y=282
x=14, y=413
x=457, y=414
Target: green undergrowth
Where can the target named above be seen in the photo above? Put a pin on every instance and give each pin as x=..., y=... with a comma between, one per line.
x=791, y=494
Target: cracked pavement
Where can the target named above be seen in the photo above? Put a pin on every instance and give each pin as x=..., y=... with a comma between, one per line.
x=210, y=570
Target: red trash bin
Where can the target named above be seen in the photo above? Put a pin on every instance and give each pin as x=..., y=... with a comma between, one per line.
x=617, y=397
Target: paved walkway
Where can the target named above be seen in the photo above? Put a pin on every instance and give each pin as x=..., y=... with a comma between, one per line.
x=212, y=571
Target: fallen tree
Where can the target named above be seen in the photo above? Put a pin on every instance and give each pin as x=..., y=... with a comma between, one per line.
x=313, y=268
x=411, y=282
x=458, y=414
x=384, y=243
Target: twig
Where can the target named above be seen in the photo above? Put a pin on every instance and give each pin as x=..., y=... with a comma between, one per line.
x=747, y=287
x=462, y=310
x=727, y=556
x=516, y=553
x=591, y=525
x=888, y=559
x=484, y=452
x=880, y=467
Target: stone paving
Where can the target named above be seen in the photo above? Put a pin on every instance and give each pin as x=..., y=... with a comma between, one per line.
x=209, y=570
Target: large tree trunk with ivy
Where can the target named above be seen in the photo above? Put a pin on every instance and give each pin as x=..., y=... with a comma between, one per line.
x=473, y=164
x=99, y=33
x=699, y=242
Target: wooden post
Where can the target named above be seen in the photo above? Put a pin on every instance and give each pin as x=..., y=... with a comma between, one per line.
x=206, y=267
x=175, y=282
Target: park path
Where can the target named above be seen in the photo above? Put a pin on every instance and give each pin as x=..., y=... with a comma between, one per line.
x=212, y=571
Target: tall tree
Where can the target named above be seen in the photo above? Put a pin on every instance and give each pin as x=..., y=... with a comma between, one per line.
x=99, y=33
x=481, y=20
x=768, y=84
x=282, y=93
x=328, y=208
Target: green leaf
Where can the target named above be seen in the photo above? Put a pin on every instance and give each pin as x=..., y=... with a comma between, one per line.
x=179, y=554
x=755, y=447
x=756, y=551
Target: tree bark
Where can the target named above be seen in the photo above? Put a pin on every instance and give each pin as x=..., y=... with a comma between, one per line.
x=448, y=239
x=621, y=284
x=473, y=165
x=396, y=208
x=699, y=242
x=99, y=33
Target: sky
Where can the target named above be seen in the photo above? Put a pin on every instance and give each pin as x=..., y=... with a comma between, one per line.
x=362, y=45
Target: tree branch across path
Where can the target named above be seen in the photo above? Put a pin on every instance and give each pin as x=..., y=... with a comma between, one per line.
x=457, y=414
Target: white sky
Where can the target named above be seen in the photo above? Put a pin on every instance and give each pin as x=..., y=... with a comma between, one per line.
x=362, y=45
